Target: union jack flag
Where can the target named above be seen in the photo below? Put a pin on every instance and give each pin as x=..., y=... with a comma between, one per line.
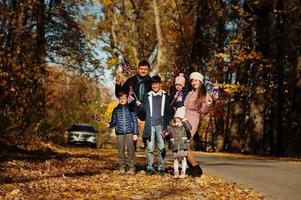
x=126, y=68
x=130, y=96
x=96, y=117
x=215, y=91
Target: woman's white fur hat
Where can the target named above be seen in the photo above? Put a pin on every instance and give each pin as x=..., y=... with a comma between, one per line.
x=197, y=76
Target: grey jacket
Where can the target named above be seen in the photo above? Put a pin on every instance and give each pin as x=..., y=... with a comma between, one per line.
x=179, y=138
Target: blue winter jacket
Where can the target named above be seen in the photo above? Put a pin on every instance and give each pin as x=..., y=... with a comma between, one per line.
x=124, y=119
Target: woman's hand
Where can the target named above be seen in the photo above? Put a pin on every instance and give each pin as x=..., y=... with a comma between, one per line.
x=209, y=100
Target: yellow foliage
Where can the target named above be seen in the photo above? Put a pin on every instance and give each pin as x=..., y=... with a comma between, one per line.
x=106, y=2
x=222, y=55
x=109, y=110
x=112, y=62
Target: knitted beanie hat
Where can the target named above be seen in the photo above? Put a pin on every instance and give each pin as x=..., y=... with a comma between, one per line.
x=180, y=79
x=180, y=112
x=197, y=76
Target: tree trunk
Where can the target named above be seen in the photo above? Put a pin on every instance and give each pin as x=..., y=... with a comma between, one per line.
x=159, y=37
x=280, y=78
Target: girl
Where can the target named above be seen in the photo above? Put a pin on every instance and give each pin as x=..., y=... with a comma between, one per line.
x=178, y=129
x=197, y=102
x=178, y=92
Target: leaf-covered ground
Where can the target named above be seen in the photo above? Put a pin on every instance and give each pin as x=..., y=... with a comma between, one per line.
x=83, y=173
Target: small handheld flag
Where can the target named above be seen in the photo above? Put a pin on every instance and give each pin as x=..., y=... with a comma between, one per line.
x=126, y=68
x=215, y=91
x=131, y=94
x=96, y=117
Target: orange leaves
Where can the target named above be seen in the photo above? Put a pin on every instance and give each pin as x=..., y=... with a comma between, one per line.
x=81, y=173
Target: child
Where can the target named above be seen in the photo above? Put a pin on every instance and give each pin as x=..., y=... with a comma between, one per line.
x=197, y=102
x=178, y=92
x=125, y=121
x=156, y=106
x=178, y=129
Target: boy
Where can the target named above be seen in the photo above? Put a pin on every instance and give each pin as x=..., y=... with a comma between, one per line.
x=124, y=119
x=156, y=106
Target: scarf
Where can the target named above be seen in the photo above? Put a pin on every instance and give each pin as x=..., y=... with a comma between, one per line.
x=141, y=84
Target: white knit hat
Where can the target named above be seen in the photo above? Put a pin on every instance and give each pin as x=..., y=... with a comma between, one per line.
x=180, y=80
x=197, y=76
x=180, y=112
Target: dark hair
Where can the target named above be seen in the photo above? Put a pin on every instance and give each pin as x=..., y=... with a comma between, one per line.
x=202, y=92
x=156, y=79
x=122, y=93
x=144, y=63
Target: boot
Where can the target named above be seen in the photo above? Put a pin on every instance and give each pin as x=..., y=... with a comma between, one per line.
x=196, y=171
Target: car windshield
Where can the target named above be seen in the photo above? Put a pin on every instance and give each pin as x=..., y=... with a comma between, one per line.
x=82, y=128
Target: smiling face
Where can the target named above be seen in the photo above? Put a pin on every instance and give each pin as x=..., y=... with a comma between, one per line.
x=156, y=87
x=143, y=70
x=195, y=83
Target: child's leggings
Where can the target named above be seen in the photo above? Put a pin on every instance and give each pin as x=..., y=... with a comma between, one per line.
x=176, y=165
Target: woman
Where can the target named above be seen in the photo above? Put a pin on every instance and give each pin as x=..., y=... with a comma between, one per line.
x=197, y=102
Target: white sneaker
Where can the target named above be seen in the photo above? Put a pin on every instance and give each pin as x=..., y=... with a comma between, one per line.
x=176, y=174
x=182, y=174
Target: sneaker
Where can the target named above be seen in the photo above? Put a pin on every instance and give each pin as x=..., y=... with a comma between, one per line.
x=161, y=172
x=121, y=170
x=176, y=174
x=131, y=172
x=149, y=172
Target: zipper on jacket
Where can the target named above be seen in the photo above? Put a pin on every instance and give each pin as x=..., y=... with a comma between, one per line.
x=123, y=115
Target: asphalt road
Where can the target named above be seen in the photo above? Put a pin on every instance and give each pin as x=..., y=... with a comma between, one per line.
x=279, y=180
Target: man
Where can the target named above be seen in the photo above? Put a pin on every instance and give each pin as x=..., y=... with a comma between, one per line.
x=140, y=83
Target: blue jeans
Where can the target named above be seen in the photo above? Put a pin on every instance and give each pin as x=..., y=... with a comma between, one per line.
x=150, y=144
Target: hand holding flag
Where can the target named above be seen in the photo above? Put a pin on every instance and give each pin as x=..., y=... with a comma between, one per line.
x=131, y=94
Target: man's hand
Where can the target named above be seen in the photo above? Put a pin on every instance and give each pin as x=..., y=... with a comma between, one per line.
x=135, y=137
x=118, y=80
x=107, y=125
x=138, y=103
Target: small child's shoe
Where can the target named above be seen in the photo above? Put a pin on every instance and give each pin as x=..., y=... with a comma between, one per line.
x=131, y=172
x=121, y=170
x=182, y=174
x=176, y=174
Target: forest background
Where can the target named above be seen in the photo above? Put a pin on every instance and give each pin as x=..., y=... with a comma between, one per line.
x=55, y=56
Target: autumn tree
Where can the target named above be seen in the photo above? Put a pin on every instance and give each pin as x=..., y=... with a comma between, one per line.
x=33, y=34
